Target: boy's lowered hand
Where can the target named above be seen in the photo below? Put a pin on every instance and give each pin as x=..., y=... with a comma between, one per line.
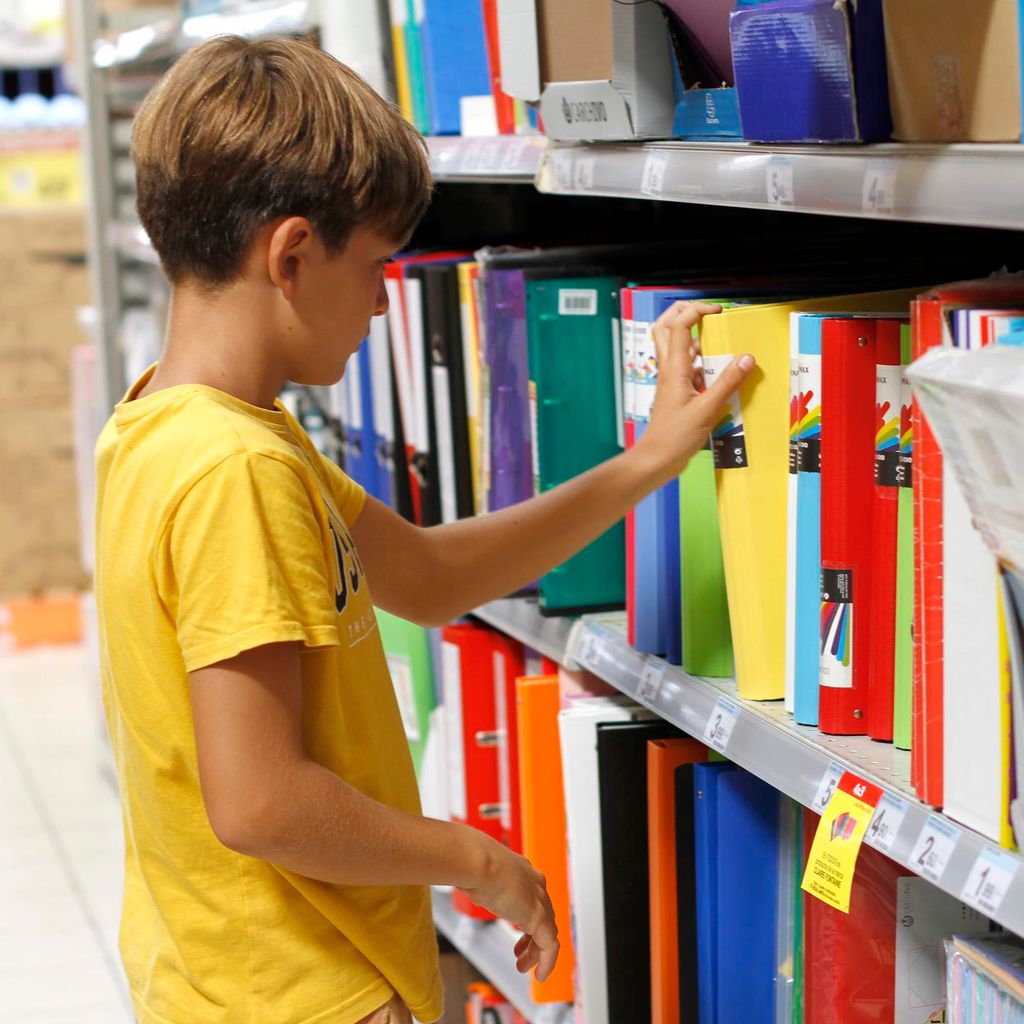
x=513, y=889
x=683, y=416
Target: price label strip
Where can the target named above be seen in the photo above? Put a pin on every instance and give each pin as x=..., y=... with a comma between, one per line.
x=562, y=165
x=586, y=656
x=934, y=847
x=653, y=181
x=827, y=786
x=583, y=177
x=885, y=825
x=844, y=823
x=651, y=678
x=993, y=872
x=779, y=182
x=879, y=194
x=721, y=723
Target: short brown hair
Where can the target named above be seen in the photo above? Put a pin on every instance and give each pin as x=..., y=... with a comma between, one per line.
x=239, y=133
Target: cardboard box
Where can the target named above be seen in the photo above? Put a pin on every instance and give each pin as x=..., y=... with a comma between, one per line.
x=39, y=535
x=811, y=71
x=606, y=70
x=954, y=70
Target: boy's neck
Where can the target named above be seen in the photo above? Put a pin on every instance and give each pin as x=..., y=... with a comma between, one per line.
x=224, y=340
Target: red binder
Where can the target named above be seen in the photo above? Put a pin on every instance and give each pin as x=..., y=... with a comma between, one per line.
x=471, y=721
x=850, y=959
x=507, y=664
x=929, y=327
x=884, y=515
x=504, y=105
x=847, y=484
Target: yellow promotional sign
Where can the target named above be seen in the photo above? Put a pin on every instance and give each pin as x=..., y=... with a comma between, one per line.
x=40, y=169
x=833, y=858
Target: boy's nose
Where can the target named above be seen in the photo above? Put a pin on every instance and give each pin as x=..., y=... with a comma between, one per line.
x=381, y=305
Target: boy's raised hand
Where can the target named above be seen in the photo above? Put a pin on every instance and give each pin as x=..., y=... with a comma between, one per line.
x=683, y=416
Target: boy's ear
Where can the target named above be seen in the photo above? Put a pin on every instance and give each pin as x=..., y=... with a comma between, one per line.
x=289, y=247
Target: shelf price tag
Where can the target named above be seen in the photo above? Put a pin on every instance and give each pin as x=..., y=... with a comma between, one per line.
x=833, y=858
x=989, y=880
x=651, y=678
x=827, y=786
x=879, y=194
x=653, y=180
x=721, y=723
x=885, y=825
x=934, y=847
x=562, y=165
x=583, y=175
x=515, y=147
x=779, y=182
x=588, y=648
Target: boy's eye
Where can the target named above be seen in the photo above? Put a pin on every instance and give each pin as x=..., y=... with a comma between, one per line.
x=386, y=261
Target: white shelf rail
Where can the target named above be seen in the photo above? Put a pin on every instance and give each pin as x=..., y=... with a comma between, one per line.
x=796, y=760
x=973, y=185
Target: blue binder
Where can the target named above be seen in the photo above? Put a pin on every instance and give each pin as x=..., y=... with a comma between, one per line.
x=706, y=780
x=748, y=882
x=454, y=60
x=808, y=532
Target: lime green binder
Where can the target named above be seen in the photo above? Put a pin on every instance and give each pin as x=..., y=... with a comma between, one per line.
x=407, y=648
x=904, y=660
x=707, y=638
x=572, y=331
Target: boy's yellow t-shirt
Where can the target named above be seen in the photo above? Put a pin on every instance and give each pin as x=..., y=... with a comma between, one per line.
x=220, y=528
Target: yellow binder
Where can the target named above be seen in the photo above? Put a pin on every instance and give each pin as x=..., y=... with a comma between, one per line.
x=753, y=439
x=399, y=13
x=468, y=274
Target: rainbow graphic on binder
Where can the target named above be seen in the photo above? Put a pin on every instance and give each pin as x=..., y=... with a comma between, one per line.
x=835, y=630
x=906, y=431
x=887, y=431
x=809, y=422
x=843, y=826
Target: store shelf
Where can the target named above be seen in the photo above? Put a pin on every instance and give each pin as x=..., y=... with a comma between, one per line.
x=520, y=618
x=796, y=760
x=510, y=159
x=167, y=38
x=975, y=185
x=488, y=946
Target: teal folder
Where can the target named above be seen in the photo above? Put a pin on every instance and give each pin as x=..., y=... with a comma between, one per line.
x=407, y=649
x=576, y=417
x=417, y=72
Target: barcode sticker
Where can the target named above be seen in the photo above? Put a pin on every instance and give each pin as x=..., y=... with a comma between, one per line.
x=879, y=195
x=583, y=178
x=827, y=786
x=577, y=302
x=779, y=182
x=886, y=822
x=934, y=847
x=651, y=678
x=993, y=872
x=653, y=180
x=721, y=723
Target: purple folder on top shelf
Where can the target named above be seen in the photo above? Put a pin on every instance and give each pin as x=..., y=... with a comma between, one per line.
x=707, y=23
x=511, y=458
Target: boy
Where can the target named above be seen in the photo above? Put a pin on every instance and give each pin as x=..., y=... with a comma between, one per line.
x=276, y=860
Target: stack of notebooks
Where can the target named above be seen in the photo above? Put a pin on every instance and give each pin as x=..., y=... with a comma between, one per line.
x=985, y=980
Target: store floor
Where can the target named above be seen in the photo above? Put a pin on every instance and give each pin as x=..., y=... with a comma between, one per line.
x=60, y=846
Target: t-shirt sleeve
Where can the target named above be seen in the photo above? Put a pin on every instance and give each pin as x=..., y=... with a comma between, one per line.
x=349, y=496
x=242, y=563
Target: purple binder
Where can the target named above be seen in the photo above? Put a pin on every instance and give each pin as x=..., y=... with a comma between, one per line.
x=504, y=294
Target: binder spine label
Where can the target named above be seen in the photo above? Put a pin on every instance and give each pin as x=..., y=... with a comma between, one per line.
x=808, y=413
x=645, y=370
x=451, y=669
x=400, y=668
x=577, y=302
x=501, y=709
x=888, y=416
x=836, y=661
x=905, y=477
x=794, y=415
x=534, y=436
x=629, y=369
x=728, y=442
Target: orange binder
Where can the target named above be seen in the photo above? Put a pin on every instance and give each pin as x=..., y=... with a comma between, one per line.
x=543, y=818
x=669, y=977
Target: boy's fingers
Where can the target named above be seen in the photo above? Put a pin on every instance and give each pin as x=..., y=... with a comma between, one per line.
x=727, y=382
x=548, y=947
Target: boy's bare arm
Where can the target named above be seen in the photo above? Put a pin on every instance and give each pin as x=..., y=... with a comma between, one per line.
x=434, y=575
x=267, y=799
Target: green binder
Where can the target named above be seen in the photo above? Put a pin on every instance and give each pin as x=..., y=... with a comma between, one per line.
x=904, y=661
x=576, y=419
x=407, y=648
x=707, y=637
